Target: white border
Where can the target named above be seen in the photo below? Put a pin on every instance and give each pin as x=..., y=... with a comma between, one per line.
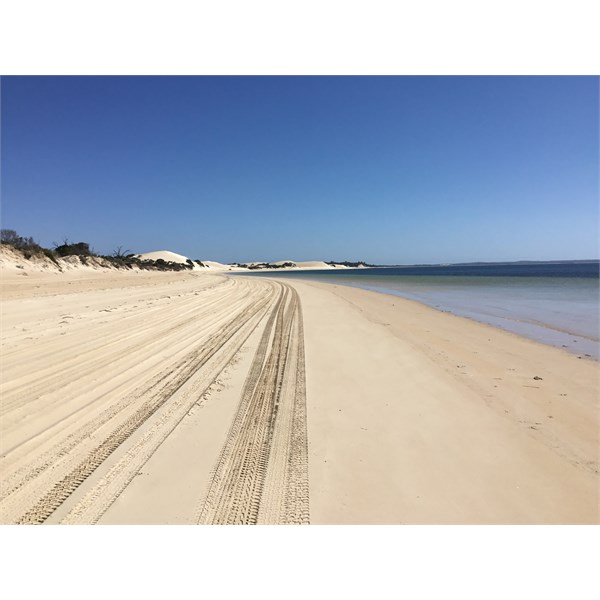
x=415, y=562
x=309, y=37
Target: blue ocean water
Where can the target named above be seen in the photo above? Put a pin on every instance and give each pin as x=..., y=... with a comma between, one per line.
x=553, y=303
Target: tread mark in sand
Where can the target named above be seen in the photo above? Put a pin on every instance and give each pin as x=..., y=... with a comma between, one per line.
x=261, y=475
x=62, y=489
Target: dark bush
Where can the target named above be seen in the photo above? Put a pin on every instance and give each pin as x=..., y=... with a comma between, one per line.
x=9, y=237
x=80, y=249
x=27, y=244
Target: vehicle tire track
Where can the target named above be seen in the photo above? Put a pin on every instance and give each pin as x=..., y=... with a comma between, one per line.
x=254, y=373
x=251, y=482
x=85, y=384
x=61, y=489
x=43, y=461
x=99, y=499
x=51, y=378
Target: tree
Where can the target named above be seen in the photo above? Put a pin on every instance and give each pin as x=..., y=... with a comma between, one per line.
x=81, y=249
x=120, y=253
x=9, y=237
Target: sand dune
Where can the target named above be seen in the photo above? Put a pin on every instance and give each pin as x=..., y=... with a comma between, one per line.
x=165, y=255
x=13, y=262
x=214, y=265
x=296, y=265
x=315, y=264
x=169, y=256
x=217, y=266
x=137, y=397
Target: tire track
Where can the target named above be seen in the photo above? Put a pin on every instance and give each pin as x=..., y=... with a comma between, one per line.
x=165, y=387
x=220, y=469
x=77, y=439
x=70, y=393
x=240, y=498
x=296, y=502
x=51, y=378
x=265, y=453
x=99, y=499
x=191, y=340
x=146, y=309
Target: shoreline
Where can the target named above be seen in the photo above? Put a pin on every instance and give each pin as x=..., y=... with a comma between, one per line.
x=590, y=344
x=412, y=415
x=465, y=394
x=551, y=334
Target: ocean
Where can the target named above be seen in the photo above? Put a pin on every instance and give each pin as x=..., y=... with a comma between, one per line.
x=552, y=303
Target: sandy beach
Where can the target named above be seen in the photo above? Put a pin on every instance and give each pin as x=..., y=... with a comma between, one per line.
x=181, y=398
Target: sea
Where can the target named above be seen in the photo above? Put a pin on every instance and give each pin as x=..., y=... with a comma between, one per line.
x=553, y=303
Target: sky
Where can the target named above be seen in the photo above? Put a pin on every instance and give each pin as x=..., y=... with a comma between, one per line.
x=389, y=170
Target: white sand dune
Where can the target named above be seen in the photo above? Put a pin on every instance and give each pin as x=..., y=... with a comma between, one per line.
x=313, y=264
x=165, y=255
x=217, y=266
x=283, y=262
x=169, y=256
x=214, y=265
x=13, y=262
x=307, y=264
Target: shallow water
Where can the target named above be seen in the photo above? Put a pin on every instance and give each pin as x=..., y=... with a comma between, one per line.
x=553, y=304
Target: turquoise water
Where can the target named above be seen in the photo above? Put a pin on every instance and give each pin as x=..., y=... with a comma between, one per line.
x=553, y=304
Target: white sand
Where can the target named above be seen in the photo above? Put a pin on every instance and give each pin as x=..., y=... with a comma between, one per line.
x=418, y=416
x=132, y=397
x=315, y=264
x=14, y=263
x=165, y=255
x=217, y=266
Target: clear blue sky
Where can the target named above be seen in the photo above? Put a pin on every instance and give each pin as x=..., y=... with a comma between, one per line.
x=382, y=169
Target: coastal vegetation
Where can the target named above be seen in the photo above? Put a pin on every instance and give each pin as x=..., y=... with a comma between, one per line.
x=346, y=263
x=119, y=259
x=255, y=266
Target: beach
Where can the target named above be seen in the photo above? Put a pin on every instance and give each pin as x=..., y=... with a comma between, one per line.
x=191, y=397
